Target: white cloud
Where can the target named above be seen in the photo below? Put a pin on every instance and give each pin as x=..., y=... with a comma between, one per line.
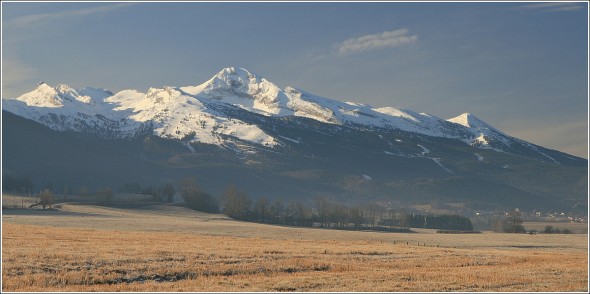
x=41, y=18
x=553, y=6
x=388, y=39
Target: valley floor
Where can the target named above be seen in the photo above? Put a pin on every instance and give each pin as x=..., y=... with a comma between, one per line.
x=170, y=248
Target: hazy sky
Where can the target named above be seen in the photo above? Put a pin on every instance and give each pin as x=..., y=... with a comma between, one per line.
x=522, y=67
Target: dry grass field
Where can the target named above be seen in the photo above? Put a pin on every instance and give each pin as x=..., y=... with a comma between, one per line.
x=170, y=248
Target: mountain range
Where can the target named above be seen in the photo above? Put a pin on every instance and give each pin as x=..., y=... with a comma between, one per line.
x=239, y=127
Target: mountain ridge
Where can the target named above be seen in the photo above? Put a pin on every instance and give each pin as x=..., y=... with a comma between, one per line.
x=192, y=113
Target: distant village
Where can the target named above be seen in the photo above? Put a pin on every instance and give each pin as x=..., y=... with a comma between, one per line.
x=534, y=215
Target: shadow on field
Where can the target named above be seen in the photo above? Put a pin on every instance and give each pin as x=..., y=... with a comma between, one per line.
x=46, y=212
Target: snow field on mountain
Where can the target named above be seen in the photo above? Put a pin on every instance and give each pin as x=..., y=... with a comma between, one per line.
x=424, y=150
x=179, y=116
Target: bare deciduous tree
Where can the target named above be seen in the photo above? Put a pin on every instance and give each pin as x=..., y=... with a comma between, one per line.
x=46, y=198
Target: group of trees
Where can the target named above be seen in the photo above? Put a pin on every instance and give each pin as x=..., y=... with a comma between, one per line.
x=196, y=198
x=164, y=193
x=512, y=223
x=236, y=204
x=552, y=230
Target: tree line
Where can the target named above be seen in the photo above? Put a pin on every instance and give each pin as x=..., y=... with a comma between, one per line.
x=328, y=214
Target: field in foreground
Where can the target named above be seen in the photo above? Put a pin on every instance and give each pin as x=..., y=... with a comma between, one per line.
x=167, y=248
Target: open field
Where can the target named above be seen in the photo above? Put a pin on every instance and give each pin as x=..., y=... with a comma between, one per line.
x=14, y=201
x=170, y=248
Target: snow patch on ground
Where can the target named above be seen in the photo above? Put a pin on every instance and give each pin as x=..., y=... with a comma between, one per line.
x=188, y=145
x=482, y=140
x=289, y=139
x=551, y=158
x=424, y=150
x=539, y=151
x=437, y=161
x=324, y=133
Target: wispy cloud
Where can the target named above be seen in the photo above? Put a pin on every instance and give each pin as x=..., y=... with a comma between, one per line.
x=553, y=6
x=31, y=26
x=388, y=39
x=41, y=18
x=14, y=72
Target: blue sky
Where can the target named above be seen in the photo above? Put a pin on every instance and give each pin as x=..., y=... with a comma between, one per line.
x=522, y=67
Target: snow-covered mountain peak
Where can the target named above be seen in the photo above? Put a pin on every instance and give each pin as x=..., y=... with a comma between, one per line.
x=238, y=79
x=55, y=97
x=245, y=89
x=235, y=72
x=42, y=96
x=43, y=86
x=483, y=134
x=469, y=120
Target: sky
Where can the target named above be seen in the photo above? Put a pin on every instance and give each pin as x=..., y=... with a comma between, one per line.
x=521, y=67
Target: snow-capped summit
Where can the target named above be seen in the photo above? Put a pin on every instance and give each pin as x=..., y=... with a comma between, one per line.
x=42, y=96
x=235, y=77
x=484, y=135
x=55, y=97
x=245, y=89
x=469, y=120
